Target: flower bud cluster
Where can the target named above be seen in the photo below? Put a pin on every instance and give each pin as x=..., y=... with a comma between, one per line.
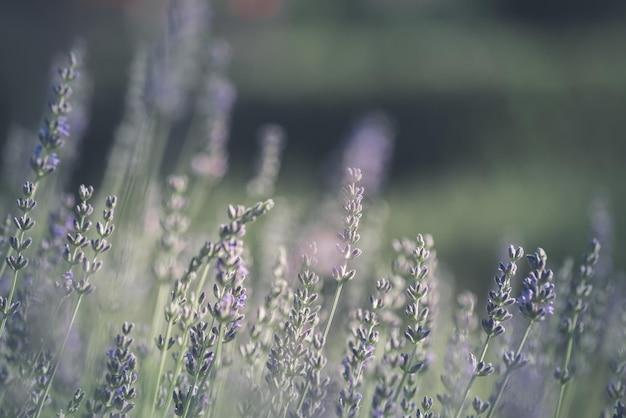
x=78, y=241
x=498, y=302
x=175, y=223
x=353, y=210
x=361, y=346
x=115, y=396
x=572, y=324
x=203, y=343
x=415, y=268
x=269, y=318
x=295, y=345
x=211, y=162
x=272, y=139
x=456, y=371
x=45, y=160
x=538, y=294
x=500, y=299
x=18, y=243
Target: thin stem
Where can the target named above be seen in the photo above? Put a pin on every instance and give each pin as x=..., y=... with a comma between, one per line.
x=566, y=361
x=405, y=374
x=161, y=301
x=332, y=311
x=473, y=378
x=208, y=373
x=168, y=332
x=3, y=267
x=203, y=277
x=9, y=300
x=42, y=399
x=177, y=369
x=214, y=371
x=508, y=372
x=326, y=330
x=5, y=317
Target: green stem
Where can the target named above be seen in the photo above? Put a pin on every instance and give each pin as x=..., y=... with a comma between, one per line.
x=405, y=373
x=473, y=378
x=209, y=372
x=326, y=330
x=9, y=301
x=507, y=374
x=202, y=281
x=332, y=311
x=177, y=369
x=168, y=332
x=161, y=301
x=43, y=397
x=568, y=357
x=3, y=267
x=5, y=317
x=214, y=371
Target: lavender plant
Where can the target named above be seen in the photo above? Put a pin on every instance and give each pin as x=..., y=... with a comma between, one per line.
x=249, y=324
x=572, y=321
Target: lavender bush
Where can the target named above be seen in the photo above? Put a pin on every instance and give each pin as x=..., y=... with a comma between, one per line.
x=142, y=299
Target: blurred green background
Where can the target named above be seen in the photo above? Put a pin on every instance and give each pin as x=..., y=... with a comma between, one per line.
x=508, y=115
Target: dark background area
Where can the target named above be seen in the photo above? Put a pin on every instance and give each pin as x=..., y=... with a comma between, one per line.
x=565, y=92
x=476, y=89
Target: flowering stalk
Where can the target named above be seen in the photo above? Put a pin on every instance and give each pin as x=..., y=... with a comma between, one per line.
x=573, y=324
x=361, y=349
x=18, y=243
x=117, y=393
x=229, y=289
x=204, y=355
x=535, y=302
x=174, y=223
x=616, y=389
x=74, y=255
x=353, y=209
x=44, y=162
x=497, y=313
x=272, y=140
x=456, y=372
x=418, y=329
x=182, y=309
x=269, y=318
x=288, y=355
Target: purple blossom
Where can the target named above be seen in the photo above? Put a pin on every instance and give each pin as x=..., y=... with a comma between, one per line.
x=53, y=160
x=536, y=299
x=63, y=126
x=37, y=151
x=241, y=301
